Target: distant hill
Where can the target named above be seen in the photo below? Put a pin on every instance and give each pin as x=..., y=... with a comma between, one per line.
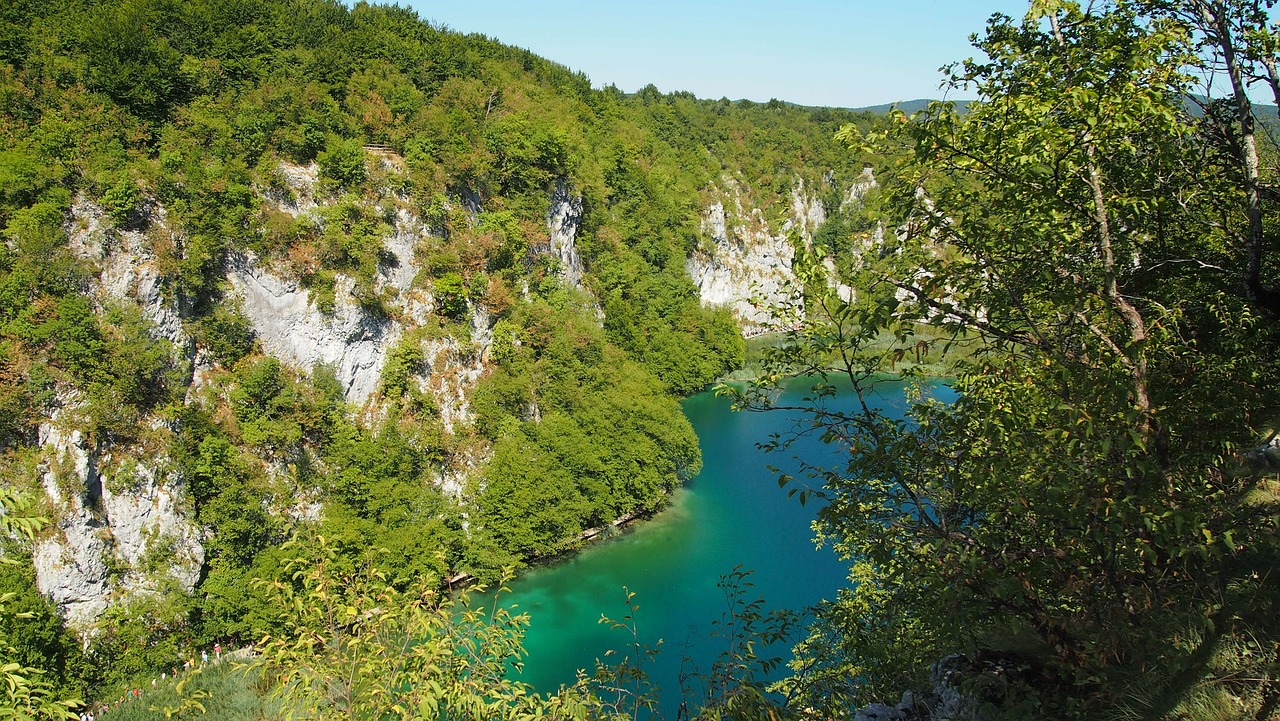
x=907, y=106
x=1265, y=113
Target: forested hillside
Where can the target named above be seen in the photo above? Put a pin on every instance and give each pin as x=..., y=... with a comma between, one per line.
x=287, y=268
x=309, y=313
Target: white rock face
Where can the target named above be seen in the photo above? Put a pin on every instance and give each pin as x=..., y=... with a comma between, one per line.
x=453, y=368
x=122, y=521
x=148, y=523
x=807, y=212
x=746, y=265
x=70, y=563
x=563, y=218
x=354, y=342
x=401, y=265
x=127, y=270
x=119, y=536
x=861, y=186
x=70, y=569
x=298, y=194
x=134, y=524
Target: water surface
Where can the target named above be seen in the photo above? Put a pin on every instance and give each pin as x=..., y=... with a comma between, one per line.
x=731, y=515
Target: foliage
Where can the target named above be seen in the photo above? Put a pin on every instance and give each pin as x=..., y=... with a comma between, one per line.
x=225, y=690
x=28, y=696
x=226, y=333
x=342, y=161
x=171, y=126
x=354, y=647
x=736, y=685
x=34, y=633
x=582, y=435
x=1081, y=506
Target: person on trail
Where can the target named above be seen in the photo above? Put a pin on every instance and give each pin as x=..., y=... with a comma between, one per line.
x=217, y=651
x=204, y=657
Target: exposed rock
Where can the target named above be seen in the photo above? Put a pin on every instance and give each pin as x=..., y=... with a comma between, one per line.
x=563, y=218
x=455, y=476
x=71, y=570
x=297, y=193
x=807, y=212
x=149, y=526
x=353, y=341
x=128, y=269
x=746, y=265
x=400, y=266
x=860, y=187
x=452, y=369
x=110, y=539
x=1265, y=457
x=960, y=690
x=743, y=265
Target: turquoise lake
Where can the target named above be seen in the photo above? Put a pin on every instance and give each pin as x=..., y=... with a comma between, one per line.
x=733, y=514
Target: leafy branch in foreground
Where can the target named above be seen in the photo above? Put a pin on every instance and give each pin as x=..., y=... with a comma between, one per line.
x=352, y=646
x=27, y=696
x=1081, y=512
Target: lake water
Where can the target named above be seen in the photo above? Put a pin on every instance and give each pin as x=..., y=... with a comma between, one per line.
x=731, y=515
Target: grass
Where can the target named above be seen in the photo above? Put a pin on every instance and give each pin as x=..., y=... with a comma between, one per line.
x=227, y=692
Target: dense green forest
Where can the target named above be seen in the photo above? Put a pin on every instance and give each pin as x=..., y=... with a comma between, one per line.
x=1089, y=531
x=179, y=122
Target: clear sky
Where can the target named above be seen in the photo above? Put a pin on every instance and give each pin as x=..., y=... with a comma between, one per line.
x=848, y=53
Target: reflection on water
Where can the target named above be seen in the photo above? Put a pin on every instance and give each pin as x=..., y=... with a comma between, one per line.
x=733, y=514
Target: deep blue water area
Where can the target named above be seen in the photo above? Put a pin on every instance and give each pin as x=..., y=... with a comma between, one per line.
x=732, y=515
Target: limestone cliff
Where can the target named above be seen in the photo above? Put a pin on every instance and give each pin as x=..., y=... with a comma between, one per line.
x=745, y=260
x=122, y=525
x=564, y=215
x=351, y=341
x=122, y=518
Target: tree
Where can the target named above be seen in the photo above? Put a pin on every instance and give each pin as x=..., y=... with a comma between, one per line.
x=28, y=696
x=351, y=646
x=1080, y=511
x=343, y=162
x=1234, y=38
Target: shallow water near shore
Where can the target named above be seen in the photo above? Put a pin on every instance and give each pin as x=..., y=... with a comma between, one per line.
x=733, y=514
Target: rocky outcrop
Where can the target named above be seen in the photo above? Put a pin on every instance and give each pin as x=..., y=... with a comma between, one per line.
x=858, y=190
x=452, y=367
x=744, y=263
x=128, y=269
x=120, y=526
x=352, y=341
x=295, y=191
x=960, y=689
x=120, y=521
x=564, y=216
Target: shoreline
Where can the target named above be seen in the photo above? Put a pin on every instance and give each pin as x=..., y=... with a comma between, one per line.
x=463, y=580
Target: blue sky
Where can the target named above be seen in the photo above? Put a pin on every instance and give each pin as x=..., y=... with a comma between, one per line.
x=815, y=52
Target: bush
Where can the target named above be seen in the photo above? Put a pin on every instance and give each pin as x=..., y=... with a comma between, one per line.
x=342, y=162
